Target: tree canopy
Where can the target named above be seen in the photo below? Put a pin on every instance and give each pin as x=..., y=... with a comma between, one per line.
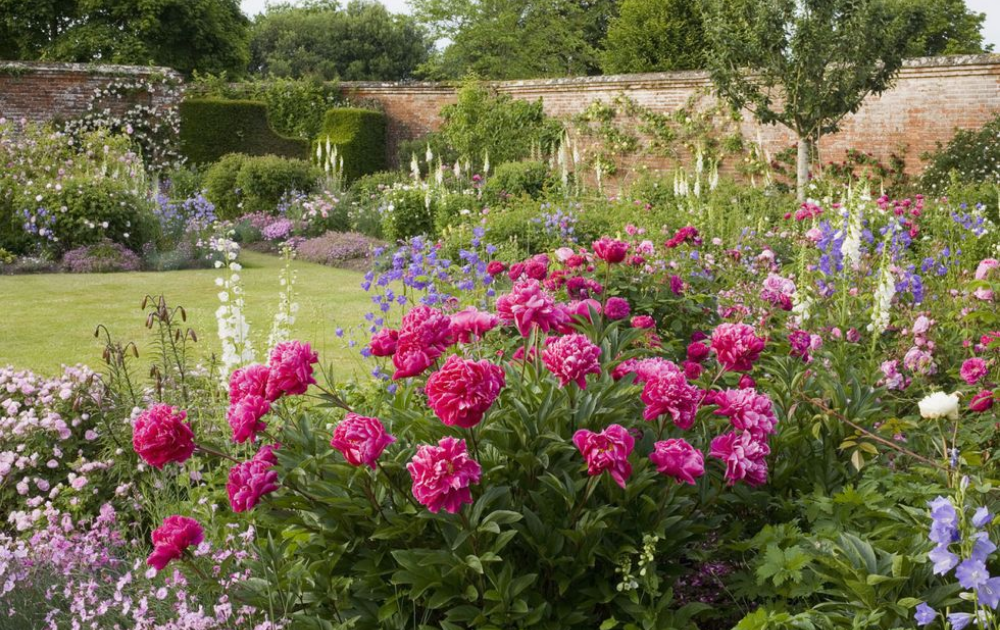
x=655, y=36
x=187, y=35
x=362, y=41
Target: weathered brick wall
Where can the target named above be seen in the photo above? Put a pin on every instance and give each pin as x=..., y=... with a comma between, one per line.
x=45, y=91
x=932, y=97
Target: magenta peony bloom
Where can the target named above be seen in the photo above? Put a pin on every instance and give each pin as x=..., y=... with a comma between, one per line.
x=643, y=321
x=172, y=538
x=162, y=435
x=670, y=393
x=746, y=382
x=692, y=370
x=747, y=411
x=974, y=370
x=291, y=364
x=610, y=250
x=471, y=324
x=383, y=343
x=981, y=402
x=360, y=439
x=442, y=475
x=676, y=285
x=249, y=481
x=644, y=369
x=245, y=418
x=678, y=459
x=736, y=346
x=462, y=391
x=529, y=306
x=745, y=457
x=423, y=337
x=495, y=268
x=697, y=352
x=571, y=359
x=248, y=381
x=800, y=341
x=616, y=308
x=606, y=451
x=687, y=234
x=580, y=288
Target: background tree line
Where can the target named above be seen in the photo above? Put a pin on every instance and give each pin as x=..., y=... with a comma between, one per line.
x=443, y=39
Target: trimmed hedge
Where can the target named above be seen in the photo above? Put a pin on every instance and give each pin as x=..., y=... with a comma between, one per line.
x=359, y=135
x=213, y=127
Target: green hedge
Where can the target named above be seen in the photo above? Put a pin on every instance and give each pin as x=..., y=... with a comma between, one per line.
x=359, y=135
x=213, y=127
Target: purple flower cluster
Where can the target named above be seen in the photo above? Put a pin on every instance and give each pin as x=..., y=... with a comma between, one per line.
x=558, y=222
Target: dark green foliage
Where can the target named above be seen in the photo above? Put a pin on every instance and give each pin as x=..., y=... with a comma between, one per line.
x=263, y=180
x=212, y=127
x=517, y=179
x=972, y=155
x=655, y=36
x=186, y=35
x=484, y=122
x=359, y=135
x=361, y=42
x=220, y=185
x=90, y=203
x=373, y=184
x=947, y=27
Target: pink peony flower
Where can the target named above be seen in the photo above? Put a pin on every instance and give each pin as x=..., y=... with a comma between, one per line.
x=571, y=359
x=577, y=312
x=291, y=365
x=985, y=267
x=172, y=538
x=248, y=381
x=678, y=459
x=423, y=337
x=747, y=411
x=360, y=439
x=495, y=268
x=692, y=370
x=670, y=393
x=800, y=341
x=580, y=288
x=442, y=475
x=745, y=457
x=245, y=418
x=683, y=235
x=249, y=481
x=746, y=382
x=644, y=369
x=643, y=321
x=161, y=435
x=697, y=352
x=974, y=370
x=471, y=324
x=462, y=391
x=616, y=308
x=383, y=343
x=610, y=250
x=736, y=346
x=529, y=306
x=606, y=451
x=981, y=402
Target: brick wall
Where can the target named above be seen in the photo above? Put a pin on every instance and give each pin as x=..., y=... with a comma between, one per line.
x=46, y=91
x=932, y=97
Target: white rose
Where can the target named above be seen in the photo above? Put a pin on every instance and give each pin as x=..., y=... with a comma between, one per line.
x=939, y=405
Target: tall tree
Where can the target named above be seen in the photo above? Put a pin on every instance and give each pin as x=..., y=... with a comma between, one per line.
x=948, y=27
x=805, y=64
x=514, y=39
x=187, y=35
x=362, y=41
x=655, y=36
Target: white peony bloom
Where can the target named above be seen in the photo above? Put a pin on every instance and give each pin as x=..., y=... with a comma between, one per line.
x=939, y=405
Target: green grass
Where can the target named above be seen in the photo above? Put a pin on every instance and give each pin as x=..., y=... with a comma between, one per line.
x=49, y=319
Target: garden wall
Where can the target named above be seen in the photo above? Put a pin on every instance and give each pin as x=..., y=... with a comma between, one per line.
x=932, y=96
x=39, y=91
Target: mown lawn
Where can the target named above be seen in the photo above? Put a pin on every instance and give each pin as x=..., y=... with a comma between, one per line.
x=48, y=320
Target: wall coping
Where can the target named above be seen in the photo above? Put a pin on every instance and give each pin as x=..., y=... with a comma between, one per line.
x=100, y=69
x=942, y=66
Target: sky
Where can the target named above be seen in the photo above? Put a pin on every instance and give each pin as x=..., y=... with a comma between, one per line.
x=991, y=8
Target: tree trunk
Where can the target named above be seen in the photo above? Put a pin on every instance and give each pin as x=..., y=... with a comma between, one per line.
x=802, y=171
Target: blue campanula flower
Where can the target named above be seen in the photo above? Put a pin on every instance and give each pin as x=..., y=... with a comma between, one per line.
x=944, y=529
x=972, y=573
x=958, y=621
x=983, y=546
x=944, y=560
x=982, y=517
x=924, y=614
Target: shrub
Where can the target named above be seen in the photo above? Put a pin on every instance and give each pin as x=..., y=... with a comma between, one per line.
x=238, y=184
x=359, y=135
x=103, y=257
x=211, y=128
x=96, y=209
x=185, y=182
x=517, y=179
x=374, y=184
x=339, y=249
x=264, y=180
x=971, y=156
x=407, y=211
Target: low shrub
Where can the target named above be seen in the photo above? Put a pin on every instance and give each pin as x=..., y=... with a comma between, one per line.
x=407, y=211
x=339, y=249
x=103, y=257
x=220, y=184
x=238, y=184
x=358, y=135
x=971, y=156
x=211, y=128
x=517, y=179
